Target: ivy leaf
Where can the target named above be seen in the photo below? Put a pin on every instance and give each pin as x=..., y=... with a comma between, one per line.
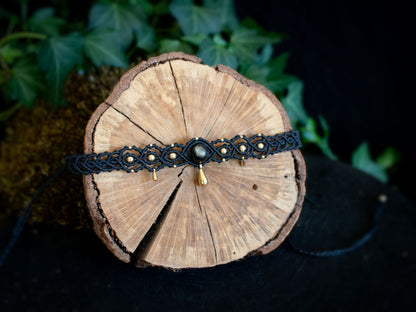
x=195, y=19
x=228, y=16
x=245, y=43
x=361, y=159
x=195, y=39
x=44, y=21
x=278, y=64
x=310, y=135
x=123, y=18
x=293, y=103
x=9, y=53
x=145, y=38
x=57, y=57
x=265, y=55
x=173, y=45
x=388, y=158
x=213, y=53
x=26, y=81
x=100, y=48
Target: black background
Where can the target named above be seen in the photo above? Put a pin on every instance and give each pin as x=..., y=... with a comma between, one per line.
x=357, y=62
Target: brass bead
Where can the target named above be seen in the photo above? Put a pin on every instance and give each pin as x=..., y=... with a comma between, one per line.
x=223, y=150
x=151, y=157
x=172, y=156
x=242, y=148
x=130, y=159
x=262, y=156
x=260, y=145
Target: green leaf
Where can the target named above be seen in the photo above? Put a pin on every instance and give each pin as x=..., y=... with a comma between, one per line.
x=388, y=158
x=265, y=54
x=245, y=44
x=9, y=54
x=145, y=38
x=194, y=20
x=361, y=159
x=44, y=21
x=257, y=73
x=57, y=57
x=26, y=81
x=173, y=45
x=100, y=48
x=293, y=103
x=213, y=53
x=123, y=18
x=309, y=133
x=228, y=17
x=278, y=65
x=195, y=39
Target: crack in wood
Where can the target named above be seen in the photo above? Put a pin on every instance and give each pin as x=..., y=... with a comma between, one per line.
x=209, y=225
x=137, y=125
x=179, y=96
x=144, y=246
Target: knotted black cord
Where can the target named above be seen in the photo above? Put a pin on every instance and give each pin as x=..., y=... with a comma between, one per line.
x=360, y=241
x=19, y=226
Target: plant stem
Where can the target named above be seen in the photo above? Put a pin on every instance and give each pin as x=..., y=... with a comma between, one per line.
x=22, y=35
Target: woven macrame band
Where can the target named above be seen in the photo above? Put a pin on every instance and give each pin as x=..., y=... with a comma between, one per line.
x=196, y=152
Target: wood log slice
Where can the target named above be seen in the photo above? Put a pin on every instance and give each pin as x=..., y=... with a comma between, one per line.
x=174, y=222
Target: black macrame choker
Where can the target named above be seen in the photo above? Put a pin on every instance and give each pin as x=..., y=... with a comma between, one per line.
x=197, y=152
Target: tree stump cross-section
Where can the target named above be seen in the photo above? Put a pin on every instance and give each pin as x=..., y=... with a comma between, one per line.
x=174, y=222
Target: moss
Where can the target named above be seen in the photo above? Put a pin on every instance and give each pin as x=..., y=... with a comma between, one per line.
x=35, y=143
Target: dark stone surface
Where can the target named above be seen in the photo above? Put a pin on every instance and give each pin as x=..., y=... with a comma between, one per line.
x=71, y=270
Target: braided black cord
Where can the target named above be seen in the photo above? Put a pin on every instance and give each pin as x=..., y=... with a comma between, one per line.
x=153, y=157
x=355, y=245
x=19, y=226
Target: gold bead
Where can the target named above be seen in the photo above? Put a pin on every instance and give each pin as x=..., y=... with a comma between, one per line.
x=223, y=150
x=172, y=156
x=260, y=145
x=222, y=140
x=151, y=157
x=243, y=162
x=262, y=156
x=223, y=159
x=242, y=148
x=130, y=159
x=131, y=170
x=174, y=166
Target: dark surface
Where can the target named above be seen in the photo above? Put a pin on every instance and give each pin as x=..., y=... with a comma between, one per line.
x=69, y=270
x=357, y=62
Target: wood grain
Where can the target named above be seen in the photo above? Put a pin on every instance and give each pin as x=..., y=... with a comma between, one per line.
x=173, y=222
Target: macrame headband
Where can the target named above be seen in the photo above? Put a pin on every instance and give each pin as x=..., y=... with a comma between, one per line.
x=197, y=152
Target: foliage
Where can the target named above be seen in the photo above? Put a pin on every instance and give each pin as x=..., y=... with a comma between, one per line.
x=38, y=52
x=361, y=159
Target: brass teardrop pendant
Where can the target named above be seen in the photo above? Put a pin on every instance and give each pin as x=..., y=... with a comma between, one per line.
x=202, y=179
